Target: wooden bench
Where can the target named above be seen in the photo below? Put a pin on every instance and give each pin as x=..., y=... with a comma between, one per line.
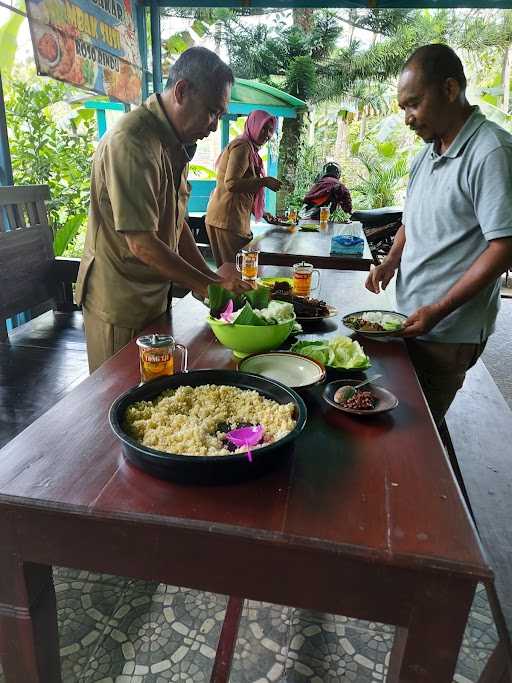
x=31, y=277
x=43, y=358
x=480, y=427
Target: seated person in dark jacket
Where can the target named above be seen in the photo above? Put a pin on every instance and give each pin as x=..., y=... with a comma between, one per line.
x=327, y=191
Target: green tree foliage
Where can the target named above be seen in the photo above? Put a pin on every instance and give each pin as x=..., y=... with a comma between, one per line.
x=383, y=159
x=307, y=170
x=214, y=22
x=9, y=41
x=279, y=54
x=45, y=151
x=381, y=21
x=382, y=60
x=383, y=181
x=286, y=56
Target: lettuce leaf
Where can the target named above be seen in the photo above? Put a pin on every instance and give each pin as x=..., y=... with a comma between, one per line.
x=338, y=352
x=277, y=312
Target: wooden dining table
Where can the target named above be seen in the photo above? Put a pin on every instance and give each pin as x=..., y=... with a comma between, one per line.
x=280, y=246
x=363, y=519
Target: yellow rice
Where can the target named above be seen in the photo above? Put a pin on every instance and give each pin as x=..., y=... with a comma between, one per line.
x=185, y=420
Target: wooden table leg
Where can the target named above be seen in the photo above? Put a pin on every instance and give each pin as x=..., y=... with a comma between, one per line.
x=29, y=639
x=227, y=641
x=427, y=650
x=497, y=669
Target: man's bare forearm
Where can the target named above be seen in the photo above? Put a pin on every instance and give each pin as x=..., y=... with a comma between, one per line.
x=171, y=266
x=189, y=251
x=395, y=253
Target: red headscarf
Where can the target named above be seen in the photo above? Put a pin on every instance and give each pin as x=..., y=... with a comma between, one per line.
x=254, y=123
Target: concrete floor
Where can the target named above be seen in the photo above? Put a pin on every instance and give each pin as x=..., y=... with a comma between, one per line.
x=498, y=353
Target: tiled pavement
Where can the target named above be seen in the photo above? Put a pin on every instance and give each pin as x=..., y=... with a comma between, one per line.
x=116, y=630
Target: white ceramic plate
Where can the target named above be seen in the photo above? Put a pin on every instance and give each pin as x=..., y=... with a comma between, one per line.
x=291, y=369
x=399, y=317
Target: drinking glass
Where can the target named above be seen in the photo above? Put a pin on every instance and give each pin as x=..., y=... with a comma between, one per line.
x=303, y=279
x=247, y=264
x=157, y=354
x=324, y=214
x=292, y=216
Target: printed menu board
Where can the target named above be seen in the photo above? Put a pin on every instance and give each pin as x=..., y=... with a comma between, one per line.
x=91, y=44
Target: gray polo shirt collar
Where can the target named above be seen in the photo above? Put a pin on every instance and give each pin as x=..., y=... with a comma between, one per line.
x=472, y=124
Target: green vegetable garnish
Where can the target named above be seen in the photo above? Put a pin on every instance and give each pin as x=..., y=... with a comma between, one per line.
x=338, y=352
x=250, y=308
x=248, y=317
x=390, y=327
x=259, y=297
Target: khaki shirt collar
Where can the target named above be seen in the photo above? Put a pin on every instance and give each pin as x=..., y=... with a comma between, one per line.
x=166, y=131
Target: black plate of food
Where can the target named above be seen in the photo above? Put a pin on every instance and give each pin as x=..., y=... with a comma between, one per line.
x=376, y=323
x=322, y=311
x=277, y=220
x=170, y=437
x=369, y=400
x=307, y=309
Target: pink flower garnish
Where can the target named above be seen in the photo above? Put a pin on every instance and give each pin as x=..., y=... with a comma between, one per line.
x=227, y=313
x=246, y=436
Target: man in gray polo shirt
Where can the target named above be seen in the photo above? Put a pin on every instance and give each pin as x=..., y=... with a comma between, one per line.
x=456, y=237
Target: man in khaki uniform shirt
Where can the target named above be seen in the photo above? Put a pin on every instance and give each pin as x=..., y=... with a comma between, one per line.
x=137, y=239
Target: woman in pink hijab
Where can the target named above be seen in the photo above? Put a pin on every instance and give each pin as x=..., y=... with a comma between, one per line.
x=240, y=189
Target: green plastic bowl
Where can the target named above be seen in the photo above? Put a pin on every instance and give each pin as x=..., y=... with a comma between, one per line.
x=246, y=339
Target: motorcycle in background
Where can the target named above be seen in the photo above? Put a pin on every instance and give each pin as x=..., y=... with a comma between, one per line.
x=380, y=227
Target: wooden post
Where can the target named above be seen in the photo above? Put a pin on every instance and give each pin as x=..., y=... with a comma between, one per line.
x=143, y=46
x=156, y=46
x=5, y=154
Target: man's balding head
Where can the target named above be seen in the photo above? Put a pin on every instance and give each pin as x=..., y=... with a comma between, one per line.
x=431, y=91
x=202, y=68
x=436, y=63
x=197, y=93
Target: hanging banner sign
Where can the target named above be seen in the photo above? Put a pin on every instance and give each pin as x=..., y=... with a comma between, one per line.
x=91, y=44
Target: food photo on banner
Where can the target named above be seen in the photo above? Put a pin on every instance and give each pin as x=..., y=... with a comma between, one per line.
x=91, y=44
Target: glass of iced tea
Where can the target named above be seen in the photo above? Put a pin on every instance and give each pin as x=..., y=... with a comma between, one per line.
x=157, y=356
x=247, y=264
x=324, y=214
x=303, y=279
x=292, y=216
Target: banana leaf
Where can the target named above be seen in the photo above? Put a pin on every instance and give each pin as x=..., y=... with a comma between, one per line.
x=248, y=317
x=258, y=298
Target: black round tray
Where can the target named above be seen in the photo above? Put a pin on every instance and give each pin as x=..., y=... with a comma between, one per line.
x=211, y=469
